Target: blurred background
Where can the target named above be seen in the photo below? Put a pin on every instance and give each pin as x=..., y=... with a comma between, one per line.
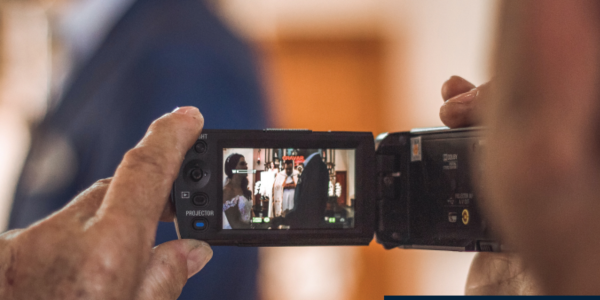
x=358, y=65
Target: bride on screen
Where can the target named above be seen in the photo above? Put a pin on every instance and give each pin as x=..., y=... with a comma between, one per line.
x=237, y=198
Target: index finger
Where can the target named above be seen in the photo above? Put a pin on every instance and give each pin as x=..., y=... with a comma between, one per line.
x=455, y=86
x=463, y=110
x=144, y=179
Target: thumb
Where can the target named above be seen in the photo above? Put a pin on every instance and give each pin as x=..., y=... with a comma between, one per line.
x=171, y=265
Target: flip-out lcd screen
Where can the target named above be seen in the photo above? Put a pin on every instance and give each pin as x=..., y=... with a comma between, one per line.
x=288, y=188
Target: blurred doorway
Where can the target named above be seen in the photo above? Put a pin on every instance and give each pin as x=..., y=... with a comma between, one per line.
x=326, y=83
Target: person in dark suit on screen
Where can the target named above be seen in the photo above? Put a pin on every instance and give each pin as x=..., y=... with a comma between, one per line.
x=311, y=194
x=159, y=55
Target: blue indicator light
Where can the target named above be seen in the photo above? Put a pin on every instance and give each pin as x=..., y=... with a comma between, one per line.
x=199, y=224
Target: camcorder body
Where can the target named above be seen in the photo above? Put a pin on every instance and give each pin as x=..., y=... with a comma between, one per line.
x=279, y=187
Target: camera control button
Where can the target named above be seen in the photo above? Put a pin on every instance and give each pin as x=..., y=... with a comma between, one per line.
x=200, y=199
x=200, y=223
x=200, y=147
x=196, y=174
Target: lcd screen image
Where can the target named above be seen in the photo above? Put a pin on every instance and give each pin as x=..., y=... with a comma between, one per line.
x=287, y=189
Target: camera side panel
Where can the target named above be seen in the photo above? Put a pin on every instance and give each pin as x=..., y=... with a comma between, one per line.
x=432, y=201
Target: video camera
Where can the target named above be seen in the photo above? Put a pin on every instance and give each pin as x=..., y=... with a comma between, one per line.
x=278, y=187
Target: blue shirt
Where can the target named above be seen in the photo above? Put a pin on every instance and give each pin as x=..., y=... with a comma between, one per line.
x=161, y=54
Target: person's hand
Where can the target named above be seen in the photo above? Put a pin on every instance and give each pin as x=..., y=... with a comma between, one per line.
x=100, y=245
x=462, y=102
x=499, y=274
x=490, y=273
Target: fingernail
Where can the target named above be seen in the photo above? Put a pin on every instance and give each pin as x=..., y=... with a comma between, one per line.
x=466, y=97
x=197, y=258
x=186, y=110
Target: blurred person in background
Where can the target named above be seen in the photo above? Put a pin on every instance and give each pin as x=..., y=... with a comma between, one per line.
x=130, y=62
x=542, y=149
x=284, y=188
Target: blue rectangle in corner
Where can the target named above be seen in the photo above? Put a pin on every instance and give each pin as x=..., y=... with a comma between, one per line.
x=470, y=297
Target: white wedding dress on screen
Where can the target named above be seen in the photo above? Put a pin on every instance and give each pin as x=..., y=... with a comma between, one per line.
x=244, y=205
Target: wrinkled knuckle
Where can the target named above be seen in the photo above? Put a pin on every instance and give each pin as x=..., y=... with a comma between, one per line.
x=109, y=266
x=108, y=261
x=151, y=159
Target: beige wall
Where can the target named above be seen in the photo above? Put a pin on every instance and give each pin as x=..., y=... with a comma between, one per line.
x=384, y=62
